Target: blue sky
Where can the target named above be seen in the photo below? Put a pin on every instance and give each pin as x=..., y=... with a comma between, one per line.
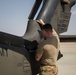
x=14, y=17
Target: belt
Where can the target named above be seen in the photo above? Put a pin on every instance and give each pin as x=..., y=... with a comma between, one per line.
x=47, y=65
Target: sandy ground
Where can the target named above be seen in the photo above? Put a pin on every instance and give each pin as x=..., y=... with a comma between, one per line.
x=67, y=64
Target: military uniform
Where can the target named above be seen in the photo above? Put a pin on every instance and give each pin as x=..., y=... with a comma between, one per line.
x=49, y=49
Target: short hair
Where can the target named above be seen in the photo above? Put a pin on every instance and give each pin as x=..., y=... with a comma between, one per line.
x=47, y=27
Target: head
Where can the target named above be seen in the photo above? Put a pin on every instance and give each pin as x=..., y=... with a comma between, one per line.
x=47, y=30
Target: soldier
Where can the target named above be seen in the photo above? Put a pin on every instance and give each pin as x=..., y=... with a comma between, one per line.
x=47, y=51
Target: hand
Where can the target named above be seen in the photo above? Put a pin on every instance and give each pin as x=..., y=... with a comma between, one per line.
x=41, y=22
x=67, y=1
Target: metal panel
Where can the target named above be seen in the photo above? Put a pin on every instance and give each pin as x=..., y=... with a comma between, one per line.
x=64, y=22
x=47, y=10
x=34, y=9
x=12, y=62
x=33, y=31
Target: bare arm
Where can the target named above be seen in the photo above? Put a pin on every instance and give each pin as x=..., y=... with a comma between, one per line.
x=41, y=22
x=38, y=56
x=39, y=52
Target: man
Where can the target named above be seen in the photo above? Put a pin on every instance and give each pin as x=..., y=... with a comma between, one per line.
x=47, y=51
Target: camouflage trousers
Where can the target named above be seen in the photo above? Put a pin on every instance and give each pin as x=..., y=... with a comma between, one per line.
x=48, y=70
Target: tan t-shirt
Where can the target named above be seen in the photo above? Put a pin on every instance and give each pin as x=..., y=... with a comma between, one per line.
x=49, y=49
